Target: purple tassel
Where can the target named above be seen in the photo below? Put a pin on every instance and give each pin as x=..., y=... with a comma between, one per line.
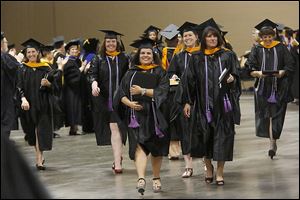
x=110, y=104
x=208, y=116
x=227, y=105
x=158, y=132
x=272, y=98
x=133, y=122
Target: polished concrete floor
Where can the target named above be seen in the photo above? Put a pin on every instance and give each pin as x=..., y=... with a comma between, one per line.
x=77, y=168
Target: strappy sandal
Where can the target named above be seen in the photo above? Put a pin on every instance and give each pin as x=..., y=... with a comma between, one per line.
x=141, y=185
x=220, y=183
x=188, y=172
x=209, y=180
x=156, y=186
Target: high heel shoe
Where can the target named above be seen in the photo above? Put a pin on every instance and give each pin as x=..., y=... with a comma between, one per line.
x=141, y=185
x=272, y=151
x=220, y=183
x=156, y=185
x=188, y=172
x=40, y=167
x=209, y=180
x=113, y=165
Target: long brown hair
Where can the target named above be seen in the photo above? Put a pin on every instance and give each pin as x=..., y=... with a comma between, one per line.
x=214, y=32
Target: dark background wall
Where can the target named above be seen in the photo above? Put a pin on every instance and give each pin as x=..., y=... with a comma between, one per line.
x=45, y=20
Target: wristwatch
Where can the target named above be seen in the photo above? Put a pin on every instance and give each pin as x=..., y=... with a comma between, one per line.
x=143, y=91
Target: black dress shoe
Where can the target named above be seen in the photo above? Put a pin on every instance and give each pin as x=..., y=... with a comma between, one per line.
x=56, y=135
x=40, y=167
x=73, y=133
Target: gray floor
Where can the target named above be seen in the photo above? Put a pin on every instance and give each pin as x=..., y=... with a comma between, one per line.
x=77, y=168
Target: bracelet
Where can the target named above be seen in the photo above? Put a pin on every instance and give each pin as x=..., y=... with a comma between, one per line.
x=143, y=91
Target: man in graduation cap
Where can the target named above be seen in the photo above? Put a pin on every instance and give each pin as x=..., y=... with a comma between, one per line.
x=106, y=73
x=59, y=49
x=9, y=67
x=143, y=90
x=272, y=65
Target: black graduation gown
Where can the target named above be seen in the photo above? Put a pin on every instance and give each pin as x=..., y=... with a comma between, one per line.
x=213, y=140
x=145, y=134
x=72, y=92
x=99, y=71
x=295, y=85
x=263, y=109
x=40, y=114
x=9, y=67
x=17, y=179
x=179, y=125
x=86, y=101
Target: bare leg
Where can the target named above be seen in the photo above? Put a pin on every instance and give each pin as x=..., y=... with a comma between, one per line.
x=156, y=165
x=140, y=162
x=116, y=143
x=39, y=154
x=174, y=149
x=188, y=166
x=209, y=168
x=220, y=169
x=273, y=146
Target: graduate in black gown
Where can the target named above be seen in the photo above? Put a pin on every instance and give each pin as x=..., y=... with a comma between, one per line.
x=272, y=90
x=170, y=33
x=216, y=105
x=90, y=49
x=9, y=67
x=35, y=90
x=71, y=88
x=152, y=33
x=179, y=64
x=143, y=90
x=106, y=73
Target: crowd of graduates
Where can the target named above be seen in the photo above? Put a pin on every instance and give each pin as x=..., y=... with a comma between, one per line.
x=180, y=95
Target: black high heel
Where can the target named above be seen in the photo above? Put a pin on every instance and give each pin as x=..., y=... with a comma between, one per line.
x=141, y=186
x=209, y=180
x=220, y=183
x=40, y=167
x=272, y=151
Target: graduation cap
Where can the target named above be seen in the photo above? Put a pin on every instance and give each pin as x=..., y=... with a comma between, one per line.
x=11, y=46
x=58, y=41
x=143, y=43
x=210, y=22
x=152, y=28
x=266, y=23
x=109, y=34
x=71, y=43
x=90, y=45
x=2, y=35
x=223, y=33
x=32, y=43
x=187, y=26
x=170, y=32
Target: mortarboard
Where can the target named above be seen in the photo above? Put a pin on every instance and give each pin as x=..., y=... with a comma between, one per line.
x=58, y=41
x=170, y=31
x=72, y=42
x=152, y=28
x=143, y=43
x=90, y=45
x=111, y=34
x=266, y=23
x=187, y=26
x=32, y=43
x=210, y=22
x=10, y=46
